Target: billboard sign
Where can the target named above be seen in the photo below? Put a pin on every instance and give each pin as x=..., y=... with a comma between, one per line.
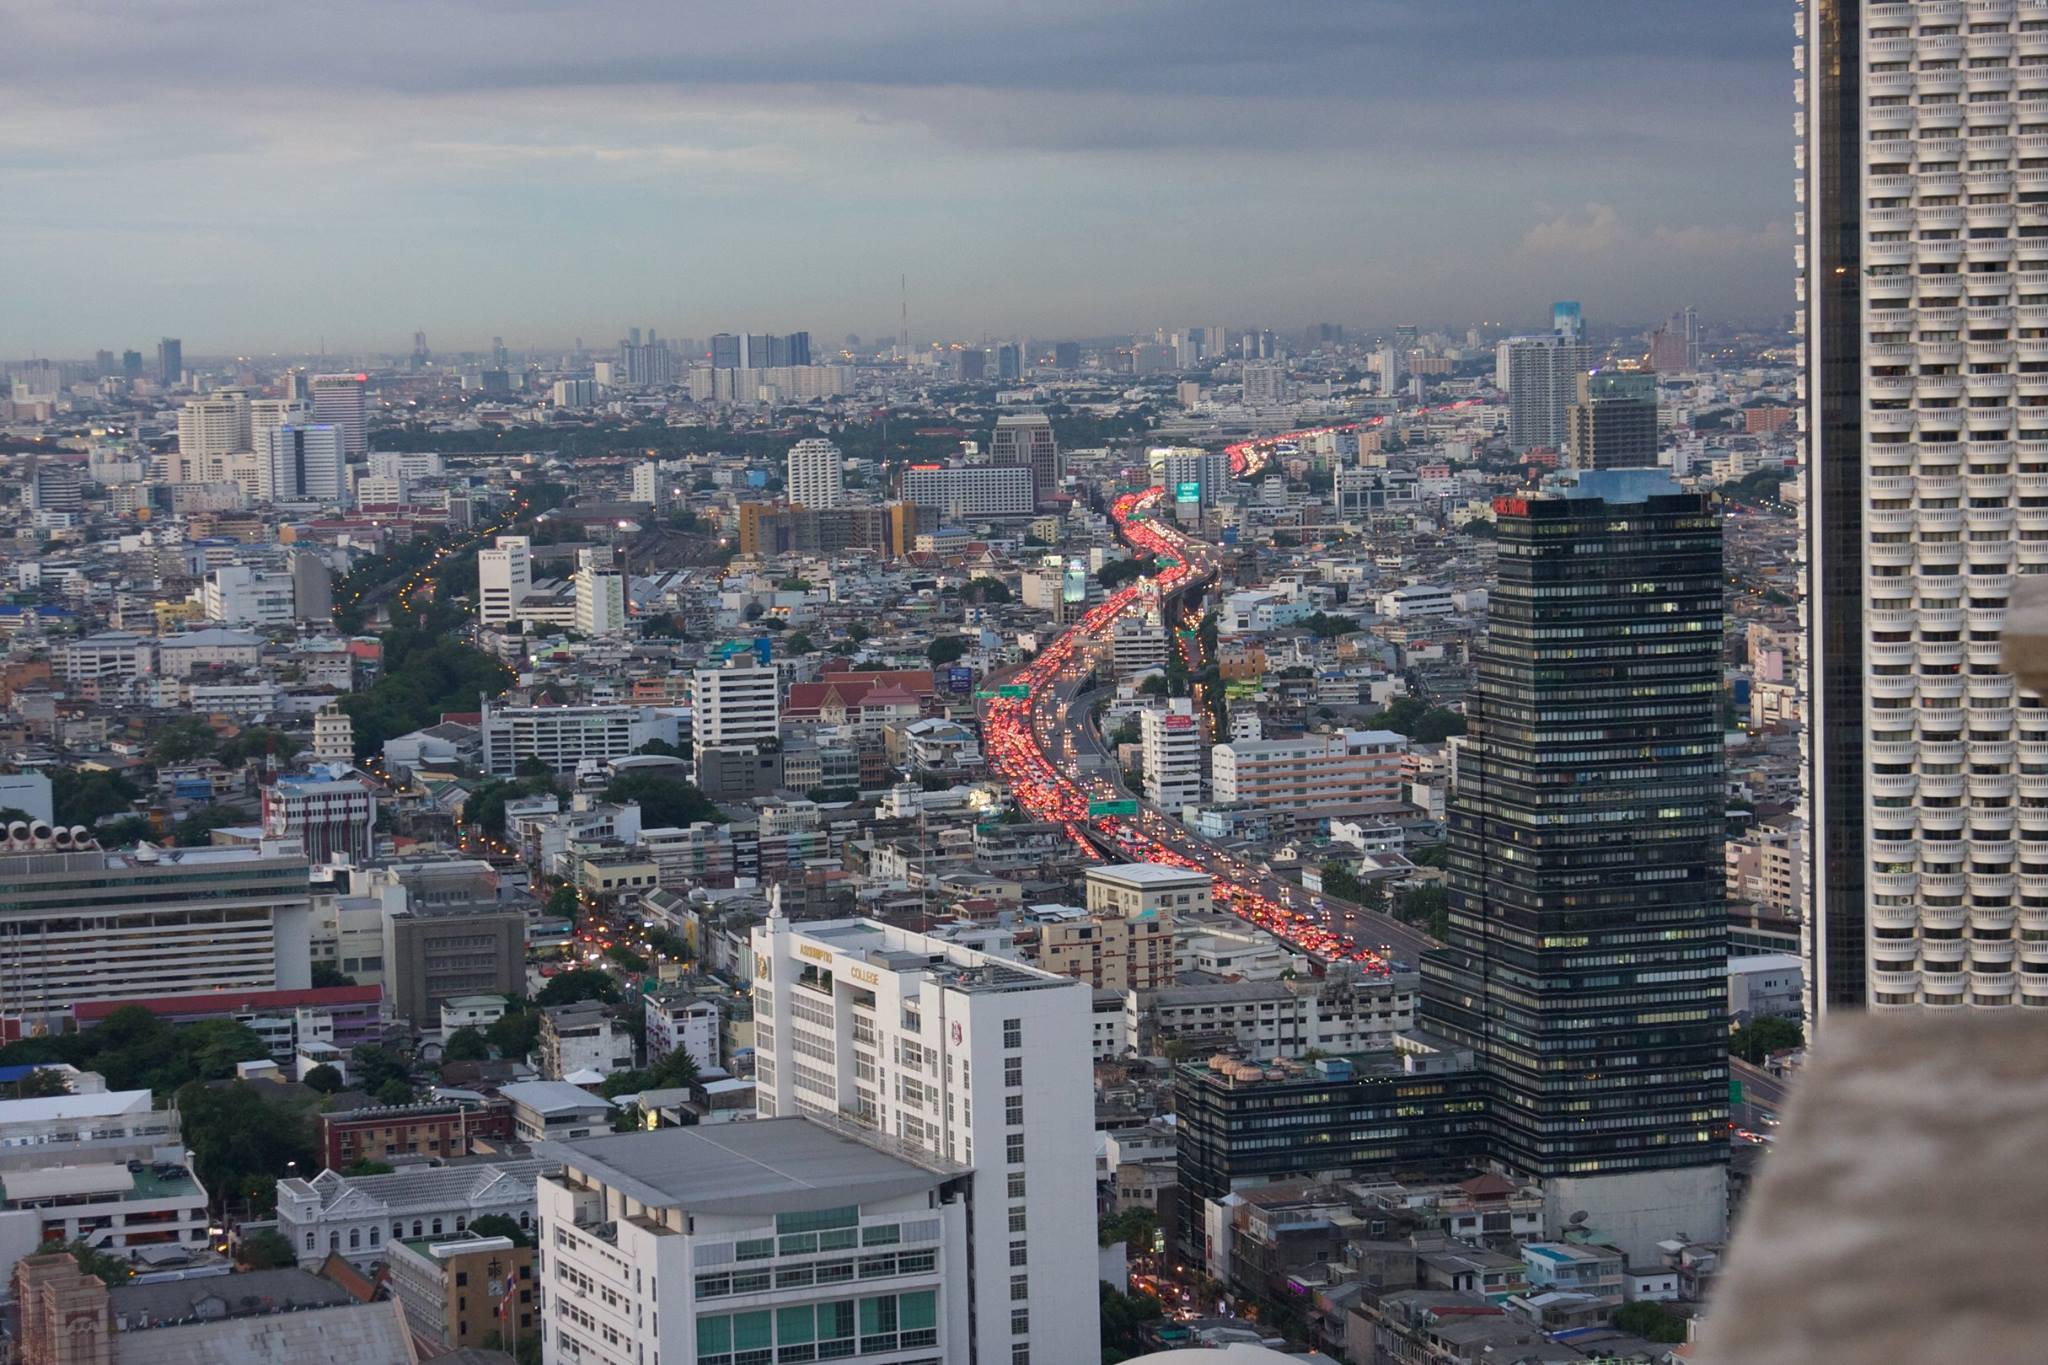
x=1188, y=490
x=959, y=679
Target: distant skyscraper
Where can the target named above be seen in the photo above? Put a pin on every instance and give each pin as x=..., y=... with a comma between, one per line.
x=1614, y=422
x=1670, y=349
x=1009, y=361
x=170, y=361
x=1567, y=321
x=1543, y=381
x=343, y=400
x=1265, y=386
x=305, y=463
x=131, y=364
x=1066, y=355
x=1026, y=438
x=725, y=351
x=970, y=364
x=1585, y=964
x=816, y=473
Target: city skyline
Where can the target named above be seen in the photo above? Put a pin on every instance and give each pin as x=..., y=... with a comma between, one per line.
x=1112, y=171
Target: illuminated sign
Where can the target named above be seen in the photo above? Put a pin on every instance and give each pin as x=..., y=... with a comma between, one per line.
x=1180, y=722
x=1188, y=491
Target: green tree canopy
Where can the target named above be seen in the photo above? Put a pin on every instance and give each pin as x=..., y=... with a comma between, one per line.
x=1762, y=1036
x=465, y=1045
x=945, y=650
x=664, y=798
x=265, y=1249
x=324, y=1078
x=583, y=983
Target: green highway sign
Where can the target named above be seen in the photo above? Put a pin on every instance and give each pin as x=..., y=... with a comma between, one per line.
x=1096, y=808
x=1734, y=1091
x=1009, y=691
x=984, y=694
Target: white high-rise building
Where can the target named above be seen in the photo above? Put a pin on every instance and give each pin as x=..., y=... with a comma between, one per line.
x=1543, y=383
x=817, y=475
x=304, y=463
x=974, y=1059
x=209, y=431
x=600, y=594
x=738, y=704
x=1924, y=221
x=783, y=1240
x=1172, y=743
x=265, y=413
x=504, y=576
x=653, y=484
x=343, y=400
x=241, y=595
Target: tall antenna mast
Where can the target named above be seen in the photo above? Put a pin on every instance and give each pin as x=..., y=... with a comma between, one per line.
x=903, y=326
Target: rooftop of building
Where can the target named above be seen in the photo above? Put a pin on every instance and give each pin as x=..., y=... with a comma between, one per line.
x=553, y=1097
x=106, y=1180
x=251, y=1291
x=99, y=1105
x=421, y=1187
x=898, y=950
x=769, y=1166
x=1148, y=876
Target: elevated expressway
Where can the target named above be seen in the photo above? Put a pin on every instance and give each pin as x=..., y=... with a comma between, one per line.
x=1044, y=746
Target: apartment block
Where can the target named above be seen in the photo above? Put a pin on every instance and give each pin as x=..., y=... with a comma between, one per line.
x=1346, y=768
x=967, y=1058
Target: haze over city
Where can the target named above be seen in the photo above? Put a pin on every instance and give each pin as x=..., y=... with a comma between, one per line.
x=1158, y=683
x=1072, y=168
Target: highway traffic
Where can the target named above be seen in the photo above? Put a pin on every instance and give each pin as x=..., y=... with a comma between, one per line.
x=1042, y=743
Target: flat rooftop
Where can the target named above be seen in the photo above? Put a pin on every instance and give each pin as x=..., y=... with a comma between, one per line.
x=1146, y=875
x=898, y=950
x=768, y=1166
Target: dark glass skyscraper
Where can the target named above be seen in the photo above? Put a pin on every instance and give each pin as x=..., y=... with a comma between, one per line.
x=1586, y=959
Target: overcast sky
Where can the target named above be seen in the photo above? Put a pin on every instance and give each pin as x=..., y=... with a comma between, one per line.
x=251, y=175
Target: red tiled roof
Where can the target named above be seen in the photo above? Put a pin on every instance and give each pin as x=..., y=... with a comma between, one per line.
x=227, y=1002
x=918, y=680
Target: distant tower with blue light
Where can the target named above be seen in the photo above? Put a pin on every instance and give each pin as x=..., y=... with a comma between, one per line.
x=1566, y=319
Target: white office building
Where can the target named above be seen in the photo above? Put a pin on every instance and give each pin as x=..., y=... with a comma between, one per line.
x=101, y=925
x=600, y=594
x=504, y=576
x=970, y=1058
x=1172, y=743
x=237, y=594
x=1925, y=241
x=343, y=400
x=305, y=463
x=817, y=474
x=738, y=704
x=786, y=1240
x=105, y=1168
x=964, y=492
x=110, y=656
x=563, y=736
x=209, y=431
